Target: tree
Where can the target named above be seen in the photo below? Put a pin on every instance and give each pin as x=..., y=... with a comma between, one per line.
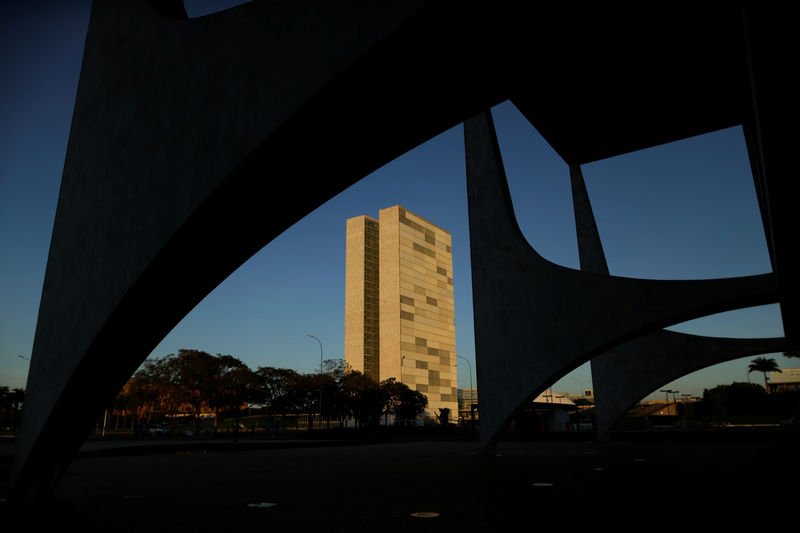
x=11, y=401
x=393, y=391
x=152, y=390
x=401, y=401
x=234, y=386
x=273, y=388
x=763, y=365
x=734, y=399
x=193, y=374
x=365, y=398
x=412, y=403
x=791, y=354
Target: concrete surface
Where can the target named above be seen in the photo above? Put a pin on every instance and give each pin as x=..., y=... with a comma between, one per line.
x=377, y=487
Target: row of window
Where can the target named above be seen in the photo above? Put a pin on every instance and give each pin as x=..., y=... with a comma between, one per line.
x=422, y=249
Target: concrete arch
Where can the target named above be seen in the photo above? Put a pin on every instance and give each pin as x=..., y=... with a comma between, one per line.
x=196, y=142
x=628, y=372
x=534, y=320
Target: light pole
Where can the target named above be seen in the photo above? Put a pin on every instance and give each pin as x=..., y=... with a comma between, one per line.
x=320, y=377
x=471, y=389
x=666, y=395
x=686, y=405
x=675, y=401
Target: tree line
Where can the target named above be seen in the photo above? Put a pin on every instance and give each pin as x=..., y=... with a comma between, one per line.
x=747, y=398
x=192, y=383
x=11, y=401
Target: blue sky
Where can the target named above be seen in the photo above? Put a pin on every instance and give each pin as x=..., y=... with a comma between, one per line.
x=683, y=210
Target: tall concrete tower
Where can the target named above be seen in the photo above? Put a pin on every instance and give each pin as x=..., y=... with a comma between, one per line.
x=399, y=312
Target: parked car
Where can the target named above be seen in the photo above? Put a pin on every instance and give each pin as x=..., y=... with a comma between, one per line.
x=153, y=430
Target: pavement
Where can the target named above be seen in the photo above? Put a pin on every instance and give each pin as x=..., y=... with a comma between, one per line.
x=302, y=486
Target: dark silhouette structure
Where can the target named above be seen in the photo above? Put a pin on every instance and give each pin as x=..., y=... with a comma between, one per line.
x=196, y=142
x=630, y=371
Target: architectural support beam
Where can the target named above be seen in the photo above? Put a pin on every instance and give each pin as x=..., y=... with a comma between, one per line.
x=535, y=320
x=630, y=371
x=771, y=42
x=193, y=144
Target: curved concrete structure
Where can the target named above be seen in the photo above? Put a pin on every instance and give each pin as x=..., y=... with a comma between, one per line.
x=535, y=320
x=196, y=142
x=627, y=373
x=631, y=371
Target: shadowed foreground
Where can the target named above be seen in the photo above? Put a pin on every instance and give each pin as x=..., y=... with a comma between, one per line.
x=376, y=487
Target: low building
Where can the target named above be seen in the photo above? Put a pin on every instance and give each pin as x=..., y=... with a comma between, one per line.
x=468, y=404
x=786, y=380
x=548, y=412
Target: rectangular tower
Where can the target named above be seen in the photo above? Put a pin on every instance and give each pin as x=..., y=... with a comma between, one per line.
x=414, y=324
x=361, y=331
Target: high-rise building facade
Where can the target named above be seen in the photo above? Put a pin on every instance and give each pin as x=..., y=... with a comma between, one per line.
x=399, y=313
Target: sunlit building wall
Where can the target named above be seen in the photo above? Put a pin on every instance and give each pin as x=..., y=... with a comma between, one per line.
x=416, y=333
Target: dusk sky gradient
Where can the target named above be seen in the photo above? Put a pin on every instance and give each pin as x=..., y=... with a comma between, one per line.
x=686, y=210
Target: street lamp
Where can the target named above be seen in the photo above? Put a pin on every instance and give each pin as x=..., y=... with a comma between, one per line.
x=686, y=404
x=470, y=369
x=675, y=401
x=667, y=392
x=320, y=376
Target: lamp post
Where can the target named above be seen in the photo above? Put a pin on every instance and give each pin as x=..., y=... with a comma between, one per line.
x=471, y=390
x=667, y=392
x=686, y=405
x=675, y=401
x=320, y=376
x=666, y=395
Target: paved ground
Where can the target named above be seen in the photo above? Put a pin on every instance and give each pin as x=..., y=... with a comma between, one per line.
x=377, y=487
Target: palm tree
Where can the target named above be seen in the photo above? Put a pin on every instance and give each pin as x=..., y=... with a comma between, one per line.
x=791, y=354
x=763, y=365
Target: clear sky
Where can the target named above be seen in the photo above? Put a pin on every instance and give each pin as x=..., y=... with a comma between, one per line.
x=686, y=210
